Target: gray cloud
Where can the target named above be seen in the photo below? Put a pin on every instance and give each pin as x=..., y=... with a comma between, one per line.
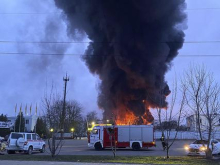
x=24, y=77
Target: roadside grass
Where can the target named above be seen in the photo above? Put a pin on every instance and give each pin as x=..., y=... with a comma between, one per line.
x=110, y=159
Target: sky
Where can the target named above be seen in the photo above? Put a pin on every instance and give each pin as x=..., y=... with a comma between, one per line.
x=26, y=78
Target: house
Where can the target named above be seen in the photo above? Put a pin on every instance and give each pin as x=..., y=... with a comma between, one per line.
x=192, y=122
x=30, y=122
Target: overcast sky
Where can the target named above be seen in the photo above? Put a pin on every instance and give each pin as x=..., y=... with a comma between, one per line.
x=24, y=79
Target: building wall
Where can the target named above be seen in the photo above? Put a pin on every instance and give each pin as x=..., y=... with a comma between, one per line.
x=193, y=125
x=3, y=124
x=30, y=121
x=186, y=135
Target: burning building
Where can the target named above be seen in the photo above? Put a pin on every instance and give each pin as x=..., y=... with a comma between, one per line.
x=133, y=43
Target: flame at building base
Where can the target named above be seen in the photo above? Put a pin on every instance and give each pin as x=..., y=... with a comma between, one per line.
x=127, y=117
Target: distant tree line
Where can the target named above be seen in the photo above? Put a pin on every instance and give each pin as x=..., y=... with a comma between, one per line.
x=74, y=120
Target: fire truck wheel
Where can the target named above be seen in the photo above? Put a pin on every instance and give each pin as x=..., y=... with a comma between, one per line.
x=98, y=146
x=136, y=146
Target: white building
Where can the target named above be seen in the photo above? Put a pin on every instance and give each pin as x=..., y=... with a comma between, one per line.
x=4, y=124
x=30, y=122
x=192, y=123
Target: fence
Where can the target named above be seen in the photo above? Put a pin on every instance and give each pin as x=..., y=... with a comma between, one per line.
x=187, y=135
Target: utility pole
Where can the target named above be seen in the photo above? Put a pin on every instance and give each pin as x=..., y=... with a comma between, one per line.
x=65, y=79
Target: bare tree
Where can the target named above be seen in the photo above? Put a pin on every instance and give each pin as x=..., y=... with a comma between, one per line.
x=53, y=107
x=74, y=118
x=112, y=135
x=170, y=119
x=203, y=101
x=55, y=143
x=92, y=117
x=51, y=115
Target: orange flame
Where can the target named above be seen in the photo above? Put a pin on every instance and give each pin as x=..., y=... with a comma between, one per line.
x=126, y=118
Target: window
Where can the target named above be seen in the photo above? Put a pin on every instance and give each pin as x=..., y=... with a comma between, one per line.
x=38, y=137
x=27, y=122
x=200, y=142
x=28, y=136
x=33, y=136
x=95, y=131
x=16, y=135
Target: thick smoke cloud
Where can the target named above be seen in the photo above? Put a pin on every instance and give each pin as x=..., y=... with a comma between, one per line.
x=133, y=43
x=51, y=32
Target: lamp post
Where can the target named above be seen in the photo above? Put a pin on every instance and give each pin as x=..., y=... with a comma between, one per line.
x=53, y=142
x=72, y=130
x=51, y=130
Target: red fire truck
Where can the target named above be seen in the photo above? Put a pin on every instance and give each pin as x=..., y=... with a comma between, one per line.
x=122, y=136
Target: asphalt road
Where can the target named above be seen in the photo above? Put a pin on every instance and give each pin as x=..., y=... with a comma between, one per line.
x=79, y=147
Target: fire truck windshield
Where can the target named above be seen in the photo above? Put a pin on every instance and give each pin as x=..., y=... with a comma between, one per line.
x=94, y=131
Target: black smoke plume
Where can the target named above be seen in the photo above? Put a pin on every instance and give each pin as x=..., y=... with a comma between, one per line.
x=133, y=43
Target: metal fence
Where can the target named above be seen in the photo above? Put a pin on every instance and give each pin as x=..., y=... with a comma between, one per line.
x=186, y=135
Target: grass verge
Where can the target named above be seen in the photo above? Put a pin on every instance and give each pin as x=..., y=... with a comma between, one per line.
x=110, y=159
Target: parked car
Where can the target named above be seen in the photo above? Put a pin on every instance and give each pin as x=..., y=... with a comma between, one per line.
x=27, y=142
x=199, y=147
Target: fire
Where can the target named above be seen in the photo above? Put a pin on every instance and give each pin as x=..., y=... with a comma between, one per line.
x=129, y=118
x=144, y=118
x=126, y=118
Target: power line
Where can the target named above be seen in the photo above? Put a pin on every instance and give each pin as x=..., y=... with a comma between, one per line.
x=208, y=8
x=199, y=55
x=87, y=42
x=47, y=13
x=30, y=13
x=71, y=54
x=47, y=42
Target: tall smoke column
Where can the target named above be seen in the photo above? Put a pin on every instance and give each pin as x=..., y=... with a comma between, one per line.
x=133, y=45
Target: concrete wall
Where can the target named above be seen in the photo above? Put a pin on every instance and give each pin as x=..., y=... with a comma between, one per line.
x=186, y=135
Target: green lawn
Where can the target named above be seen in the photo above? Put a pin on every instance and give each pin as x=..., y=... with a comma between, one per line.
x=110, y=159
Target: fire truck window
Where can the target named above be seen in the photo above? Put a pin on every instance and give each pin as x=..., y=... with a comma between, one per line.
x=95, y=131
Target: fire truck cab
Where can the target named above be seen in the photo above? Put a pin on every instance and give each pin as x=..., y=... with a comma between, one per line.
x=122, y=136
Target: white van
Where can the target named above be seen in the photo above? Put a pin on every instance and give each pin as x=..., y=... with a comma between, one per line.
x=27, y=142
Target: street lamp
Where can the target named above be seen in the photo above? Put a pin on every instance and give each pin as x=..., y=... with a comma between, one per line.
x=51, y=130
x=93, y=123
x=107, y=121
x=72, y=130
x=53, y=141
